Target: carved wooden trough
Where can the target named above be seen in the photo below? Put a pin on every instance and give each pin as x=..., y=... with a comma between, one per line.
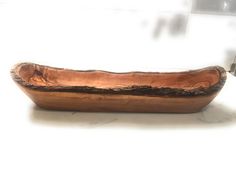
x=64, y=89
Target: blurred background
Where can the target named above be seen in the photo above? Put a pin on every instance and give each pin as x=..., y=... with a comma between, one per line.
x=119, y=35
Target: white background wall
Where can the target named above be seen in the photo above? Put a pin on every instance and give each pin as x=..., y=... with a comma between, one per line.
x=110, y=34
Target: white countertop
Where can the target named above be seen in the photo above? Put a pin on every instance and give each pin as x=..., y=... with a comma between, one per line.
x=36, y=142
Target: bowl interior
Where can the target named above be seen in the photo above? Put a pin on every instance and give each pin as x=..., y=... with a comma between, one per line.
x=47, y=76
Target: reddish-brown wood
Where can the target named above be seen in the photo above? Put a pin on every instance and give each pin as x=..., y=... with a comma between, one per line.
x=64, y=89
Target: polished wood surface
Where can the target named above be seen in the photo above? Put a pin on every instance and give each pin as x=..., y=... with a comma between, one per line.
x=64, y=89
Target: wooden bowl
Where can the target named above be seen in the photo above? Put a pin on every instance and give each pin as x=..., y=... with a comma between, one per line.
x=93, y=90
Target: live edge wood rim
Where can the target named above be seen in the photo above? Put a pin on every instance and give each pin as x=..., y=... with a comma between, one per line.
x=143, y=90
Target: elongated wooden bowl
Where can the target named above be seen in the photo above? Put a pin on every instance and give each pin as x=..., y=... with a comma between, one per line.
x=64, y=89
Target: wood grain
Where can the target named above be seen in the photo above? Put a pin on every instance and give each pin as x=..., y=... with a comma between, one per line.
x=93, y=90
